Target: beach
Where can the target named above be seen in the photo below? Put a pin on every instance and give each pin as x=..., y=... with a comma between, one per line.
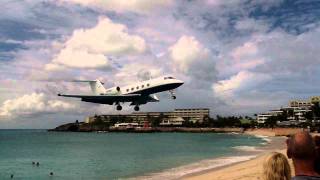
x=245, y=170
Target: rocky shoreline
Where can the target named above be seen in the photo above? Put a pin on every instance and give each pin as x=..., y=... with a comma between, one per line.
x=87, y=127
x=84, y=127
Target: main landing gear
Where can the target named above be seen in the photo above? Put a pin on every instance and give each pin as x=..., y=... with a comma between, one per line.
x=119, y=107
x=136, y=108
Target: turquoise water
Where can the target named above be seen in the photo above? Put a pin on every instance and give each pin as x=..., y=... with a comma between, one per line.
x=107, y=155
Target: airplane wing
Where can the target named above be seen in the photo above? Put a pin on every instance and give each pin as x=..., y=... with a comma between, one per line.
x=105, y=99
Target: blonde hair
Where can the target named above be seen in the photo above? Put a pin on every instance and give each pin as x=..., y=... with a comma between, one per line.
x=276, y=167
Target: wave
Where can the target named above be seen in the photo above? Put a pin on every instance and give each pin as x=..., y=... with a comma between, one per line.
x=203, y=165
x=246, y=148
x=264, y=138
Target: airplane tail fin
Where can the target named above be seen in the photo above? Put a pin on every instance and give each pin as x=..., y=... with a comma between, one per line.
x=96, y=86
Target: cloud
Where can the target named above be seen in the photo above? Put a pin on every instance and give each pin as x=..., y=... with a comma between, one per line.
x=89, y=48
x=186, y=51
x=138, y=6
x=244, y=80
x=243, y=57
x=190, y=57
x=31, y=104
x=137, y=71
x=246, y=49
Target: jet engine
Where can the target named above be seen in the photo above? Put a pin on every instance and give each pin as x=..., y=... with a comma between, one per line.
x=115, y=90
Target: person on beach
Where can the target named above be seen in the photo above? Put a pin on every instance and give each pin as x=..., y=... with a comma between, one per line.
x=276, y=167
x=317, y=161
x=302, y=150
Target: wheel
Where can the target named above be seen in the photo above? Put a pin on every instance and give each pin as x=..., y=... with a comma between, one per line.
x=136, y=108
x=174, y=97
x=119, y=108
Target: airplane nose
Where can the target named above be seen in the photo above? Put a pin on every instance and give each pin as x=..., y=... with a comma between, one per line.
x=180, y=82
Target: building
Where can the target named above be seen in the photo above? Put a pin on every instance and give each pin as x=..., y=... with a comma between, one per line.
x=175, y=117
x=300, y=104
x=126, y=125
x=262, y=118
x=172, y=122
x=295, y=112
x=194, y=115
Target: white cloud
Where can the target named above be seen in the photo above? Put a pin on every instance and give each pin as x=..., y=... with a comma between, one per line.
x=194, y=60
x=247, y=49
x=32, y=104
x=88, y=48
x=133, y=72
x=186, y=51
x=139, y=6
x=244, y=80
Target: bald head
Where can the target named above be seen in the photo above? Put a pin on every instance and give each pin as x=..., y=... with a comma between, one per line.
x=301, y=146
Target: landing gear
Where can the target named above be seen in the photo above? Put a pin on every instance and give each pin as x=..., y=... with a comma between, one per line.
x=119, y=108
x=173, y=94
x=136, y=108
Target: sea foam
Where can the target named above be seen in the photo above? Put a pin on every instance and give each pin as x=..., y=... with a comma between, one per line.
x=266, y=139
x=246, y=148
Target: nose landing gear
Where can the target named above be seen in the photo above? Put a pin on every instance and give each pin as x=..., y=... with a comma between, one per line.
x=173, y=94
x=119, y=107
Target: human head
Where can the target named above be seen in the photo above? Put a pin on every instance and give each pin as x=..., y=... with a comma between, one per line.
x=301, y=146
x=276, y=167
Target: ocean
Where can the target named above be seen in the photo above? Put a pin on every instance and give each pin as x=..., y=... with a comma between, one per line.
x=71, y=155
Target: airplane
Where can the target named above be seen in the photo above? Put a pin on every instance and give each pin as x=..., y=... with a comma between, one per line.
x=138, y=93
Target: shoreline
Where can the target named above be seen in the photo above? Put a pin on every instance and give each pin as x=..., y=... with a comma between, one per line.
x=242, y=154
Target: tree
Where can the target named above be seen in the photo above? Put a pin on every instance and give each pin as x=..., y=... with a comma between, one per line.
x=272, y=121
x=187, y=122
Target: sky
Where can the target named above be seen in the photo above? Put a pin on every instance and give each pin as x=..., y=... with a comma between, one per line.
x=237, y=57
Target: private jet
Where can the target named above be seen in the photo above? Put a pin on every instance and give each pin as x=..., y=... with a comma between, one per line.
x=136, y=94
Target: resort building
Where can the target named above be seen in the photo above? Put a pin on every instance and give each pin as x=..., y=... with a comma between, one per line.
x=300, y=104
x=172, y=122
x=295, y=112
x=262, y=118
x=127, y=125
x=175, y=118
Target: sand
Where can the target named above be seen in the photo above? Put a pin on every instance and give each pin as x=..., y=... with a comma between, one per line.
x=247, y=170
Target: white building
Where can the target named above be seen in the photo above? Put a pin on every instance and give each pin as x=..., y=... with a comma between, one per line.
x=178, y=121
x=262, y=118
x=126, y=125
x=296, y=111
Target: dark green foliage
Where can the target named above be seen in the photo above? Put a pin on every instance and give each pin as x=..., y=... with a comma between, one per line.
x=231, y=121
x=272, y=121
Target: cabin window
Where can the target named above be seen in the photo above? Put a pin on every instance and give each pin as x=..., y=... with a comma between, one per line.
x=137, y=87
x=148, y=84
x=127, y=90
x=132, y=89
x=142, y=86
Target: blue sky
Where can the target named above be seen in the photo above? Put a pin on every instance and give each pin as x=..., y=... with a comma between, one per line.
x=239, y=57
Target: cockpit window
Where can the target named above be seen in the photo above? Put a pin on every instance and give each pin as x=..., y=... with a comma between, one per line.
x=168, y=77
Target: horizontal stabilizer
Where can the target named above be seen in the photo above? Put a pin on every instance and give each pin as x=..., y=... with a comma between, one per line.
x=88, y=81
x=98, y=96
